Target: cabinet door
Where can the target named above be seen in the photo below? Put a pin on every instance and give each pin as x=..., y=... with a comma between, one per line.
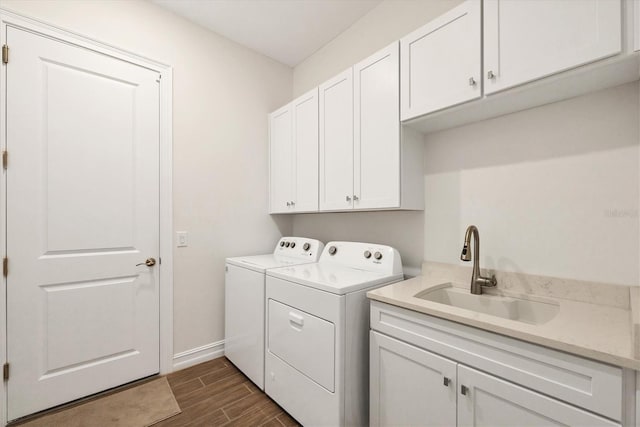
x=336, y=142
x=280, y=160
x=377, y=131
x=441, y=62
x=410, y=386
x=526, y=40
x=305, y=137
x=489, y=401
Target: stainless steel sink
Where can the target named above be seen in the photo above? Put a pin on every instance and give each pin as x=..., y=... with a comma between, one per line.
x=507, y=307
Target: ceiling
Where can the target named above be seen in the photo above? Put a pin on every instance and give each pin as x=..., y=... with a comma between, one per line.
x=286, y=30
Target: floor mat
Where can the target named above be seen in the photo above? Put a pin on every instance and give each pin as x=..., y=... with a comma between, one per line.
x=139, y=406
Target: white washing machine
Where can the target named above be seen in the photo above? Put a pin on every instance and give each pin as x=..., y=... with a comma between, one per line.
x=244, y=301
x=317, y=350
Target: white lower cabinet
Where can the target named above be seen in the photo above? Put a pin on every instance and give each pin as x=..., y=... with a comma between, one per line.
x=410, y=386
x=426, y=371
x=486, y=400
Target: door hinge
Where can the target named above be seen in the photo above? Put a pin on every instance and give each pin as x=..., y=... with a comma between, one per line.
x=5, y=266
x=5, y=158
x=5, y=371
x=5, y=54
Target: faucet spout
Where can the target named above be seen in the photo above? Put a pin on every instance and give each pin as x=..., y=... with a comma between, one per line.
x=477, y=280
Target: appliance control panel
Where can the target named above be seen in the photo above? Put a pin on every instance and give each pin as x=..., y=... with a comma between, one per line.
x=363, y=256
x=299, y=248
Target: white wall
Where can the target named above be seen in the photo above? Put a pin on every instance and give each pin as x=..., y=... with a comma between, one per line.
x=222, y=94
x=553, y=190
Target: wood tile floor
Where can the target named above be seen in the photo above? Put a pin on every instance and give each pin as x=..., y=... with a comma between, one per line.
x=215, y=393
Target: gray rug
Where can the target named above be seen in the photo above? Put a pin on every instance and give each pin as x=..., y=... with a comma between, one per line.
x=139, y=406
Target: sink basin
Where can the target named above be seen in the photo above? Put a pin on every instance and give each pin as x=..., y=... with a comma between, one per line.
x=507, y=307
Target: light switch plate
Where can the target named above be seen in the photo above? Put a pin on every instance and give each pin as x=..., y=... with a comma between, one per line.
x=182, y=239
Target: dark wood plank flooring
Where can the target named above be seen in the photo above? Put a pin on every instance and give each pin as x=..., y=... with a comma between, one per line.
x=215, y=393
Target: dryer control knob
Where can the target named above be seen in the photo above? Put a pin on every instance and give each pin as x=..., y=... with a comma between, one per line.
x=293, y=245
x=282, y=243
x=333, y=250
x=377, y=255
x=367, y=254
x=287, y=244
x=306, y=246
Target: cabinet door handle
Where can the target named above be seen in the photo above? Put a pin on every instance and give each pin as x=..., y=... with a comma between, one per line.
x=491, y=75
x=355, y=198
x=348, y=198
x=288, y=204
x=464, y=390
x=446, y=381
x=472, y=81
x=293, y=203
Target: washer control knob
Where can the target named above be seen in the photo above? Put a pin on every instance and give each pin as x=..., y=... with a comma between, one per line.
x=367, y=254
x=281, y=243
x=293, y=245
x=306, y=246
x=287, y=244
x=377, y=255
x=333, y=250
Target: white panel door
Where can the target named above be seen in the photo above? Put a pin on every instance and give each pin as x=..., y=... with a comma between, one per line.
x=526, y=40
x=280, y=160
x=336, y=142
x=82, y=211
x=410, y=386
x=305, y=135
x=376, y=168
x=441, y=62
x=492, y=402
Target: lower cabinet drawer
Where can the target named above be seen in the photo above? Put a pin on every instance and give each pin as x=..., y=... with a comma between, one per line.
x=304, y=341
x=595, y=386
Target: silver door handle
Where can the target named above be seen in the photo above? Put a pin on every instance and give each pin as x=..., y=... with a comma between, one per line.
x=150, y=262
x=348, y=198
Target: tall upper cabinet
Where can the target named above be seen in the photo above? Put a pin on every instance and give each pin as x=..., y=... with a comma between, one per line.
x=293, y=153
x=365, y=161
x=526, y=40
x=441, y=62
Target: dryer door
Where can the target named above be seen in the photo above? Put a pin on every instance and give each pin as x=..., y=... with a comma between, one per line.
x=304, y=341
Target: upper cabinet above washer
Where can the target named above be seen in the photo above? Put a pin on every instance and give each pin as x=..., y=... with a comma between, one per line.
x=441, y=62
x=526, y=40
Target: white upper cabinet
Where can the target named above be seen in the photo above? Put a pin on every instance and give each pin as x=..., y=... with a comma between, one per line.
x=525, y=40
x=305, y=141
x=293, y=151
x=366, y=162
x=376, y=169
x=280, y=160
x=336, y=142
x=441, y=62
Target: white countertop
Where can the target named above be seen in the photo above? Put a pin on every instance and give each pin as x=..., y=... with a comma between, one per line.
x=601, y=332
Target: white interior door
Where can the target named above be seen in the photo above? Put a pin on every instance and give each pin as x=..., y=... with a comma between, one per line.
x=82, y=211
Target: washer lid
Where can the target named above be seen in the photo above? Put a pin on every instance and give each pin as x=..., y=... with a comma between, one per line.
x=260, y=263
x=330, y=278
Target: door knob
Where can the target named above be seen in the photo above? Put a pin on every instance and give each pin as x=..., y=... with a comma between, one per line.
x=150, y=262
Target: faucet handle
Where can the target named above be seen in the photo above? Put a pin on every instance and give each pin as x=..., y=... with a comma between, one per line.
x=488, y=281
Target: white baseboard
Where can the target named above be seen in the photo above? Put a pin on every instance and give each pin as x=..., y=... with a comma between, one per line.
x=197, y=355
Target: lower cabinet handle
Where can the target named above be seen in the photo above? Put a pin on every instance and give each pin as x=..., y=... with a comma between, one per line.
x=464, y=390
x=446, y=381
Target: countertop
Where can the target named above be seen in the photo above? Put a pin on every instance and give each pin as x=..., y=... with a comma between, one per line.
x=604, y=332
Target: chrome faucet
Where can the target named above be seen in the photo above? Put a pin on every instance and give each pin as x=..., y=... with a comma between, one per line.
x=477, y=281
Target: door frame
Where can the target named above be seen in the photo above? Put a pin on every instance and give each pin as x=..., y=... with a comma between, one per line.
x=12, y=19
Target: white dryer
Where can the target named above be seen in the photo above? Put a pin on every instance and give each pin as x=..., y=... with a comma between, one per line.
x=244, y=301
x=317, y=350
